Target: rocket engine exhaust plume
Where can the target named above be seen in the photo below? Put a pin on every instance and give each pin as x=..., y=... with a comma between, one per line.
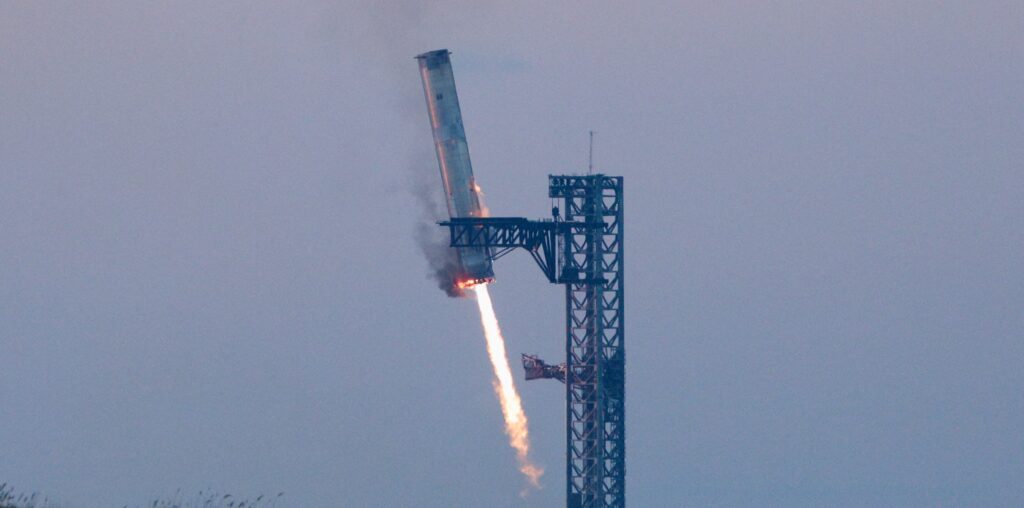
x=472, y=265
x=516, y=424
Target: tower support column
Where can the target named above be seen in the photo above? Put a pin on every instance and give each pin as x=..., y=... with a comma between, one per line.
x=592, y=271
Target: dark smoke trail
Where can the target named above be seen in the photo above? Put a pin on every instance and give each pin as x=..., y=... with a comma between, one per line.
x=432, y=240
x=395, y=34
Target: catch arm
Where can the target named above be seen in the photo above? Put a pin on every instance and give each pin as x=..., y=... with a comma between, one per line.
x=503, y=234
x=536, y=369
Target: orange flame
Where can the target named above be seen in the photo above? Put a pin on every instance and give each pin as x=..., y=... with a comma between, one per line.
x=516, y=425
x=483, y=210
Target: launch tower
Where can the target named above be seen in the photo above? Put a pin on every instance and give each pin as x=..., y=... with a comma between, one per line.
x=581, y=248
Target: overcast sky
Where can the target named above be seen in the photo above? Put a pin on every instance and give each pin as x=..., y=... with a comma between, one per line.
x=208, y=276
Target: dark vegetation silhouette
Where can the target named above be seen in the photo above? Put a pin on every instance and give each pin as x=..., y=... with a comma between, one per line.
x=8, y=499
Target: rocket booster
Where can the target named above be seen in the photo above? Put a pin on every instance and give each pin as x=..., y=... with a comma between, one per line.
x=460, y=188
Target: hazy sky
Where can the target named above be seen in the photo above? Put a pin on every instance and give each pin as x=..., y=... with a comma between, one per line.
x=208, y=277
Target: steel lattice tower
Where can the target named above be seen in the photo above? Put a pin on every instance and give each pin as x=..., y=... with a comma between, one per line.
x=594, y=346
x=583, y=250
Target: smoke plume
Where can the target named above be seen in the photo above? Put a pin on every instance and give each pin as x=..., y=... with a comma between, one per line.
x=442, y=260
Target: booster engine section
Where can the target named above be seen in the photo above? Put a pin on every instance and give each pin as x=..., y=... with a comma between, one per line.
x=461, y=191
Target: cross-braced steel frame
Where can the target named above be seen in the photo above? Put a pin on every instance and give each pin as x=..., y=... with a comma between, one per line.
x=595, y=356
x=583, y=250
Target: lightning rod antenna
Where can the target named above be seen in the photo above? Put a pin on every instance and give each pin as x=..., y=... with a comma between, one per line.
x=590, y=158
